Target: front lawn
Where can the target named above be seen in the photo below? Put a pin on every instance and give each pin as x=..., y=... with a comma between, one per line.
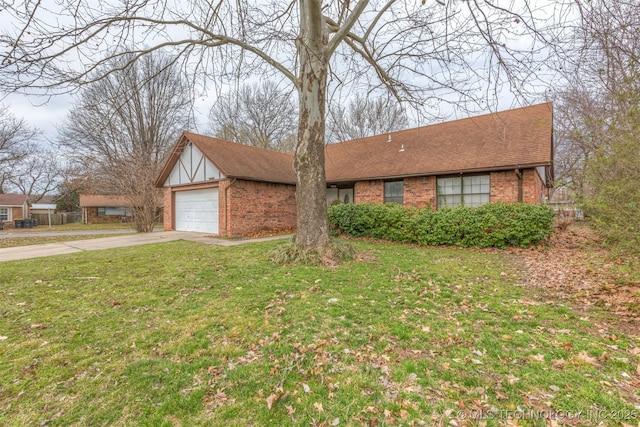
x=183, y=334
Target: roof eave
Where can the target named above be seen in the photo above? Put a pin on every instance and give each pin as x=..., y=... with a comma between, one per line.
x=266, y=180
x=440, y=173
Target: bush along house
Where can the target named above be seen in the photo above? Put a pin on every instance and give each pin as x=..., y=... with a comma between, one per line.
x=228, y=189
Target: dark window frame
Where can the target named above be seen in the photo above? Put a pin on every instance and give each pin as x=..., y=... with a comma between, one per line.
x=394, y=195
x=460, y=197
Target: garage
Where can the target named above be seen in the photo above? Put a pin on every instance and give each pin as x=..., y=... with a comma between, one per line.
x=197, y=210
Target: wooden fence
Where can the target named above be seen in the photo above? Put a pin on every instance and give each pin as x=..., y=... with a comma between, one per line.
x=57, y=219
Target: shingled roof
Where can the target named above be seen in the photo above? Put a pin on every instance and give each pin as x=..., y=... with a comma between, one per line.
x=100, y=200
x=518, y=138
x=236, y=160
x=16, y=200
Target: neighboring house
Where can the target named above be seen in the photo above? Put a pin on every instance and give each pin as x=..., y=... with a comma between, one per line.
x=100, y=209
x=13, y=207
x=224, y=188
x=43, y=208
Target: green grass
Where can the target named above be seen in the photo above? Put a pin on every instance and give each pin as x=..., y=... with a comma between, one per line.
x=188, y=334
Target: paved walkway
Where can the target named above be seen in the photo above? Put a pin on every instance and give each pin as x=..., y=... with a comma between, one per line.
x=51, y=249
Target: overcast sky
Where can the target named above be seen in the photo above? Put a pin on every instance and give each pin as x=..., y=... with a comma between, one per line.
x=47, y=114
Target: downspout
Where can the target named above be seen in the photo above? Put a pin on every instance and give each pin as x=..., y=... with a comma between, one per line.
x=226, y=206
x=520, y=184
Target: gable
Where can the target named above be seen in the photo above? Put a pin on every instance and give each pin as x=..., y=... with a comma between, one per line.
x=192, y=167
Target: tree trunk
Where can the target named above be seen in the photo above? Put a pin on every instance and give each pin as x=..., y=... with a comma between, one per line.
x=311, y=202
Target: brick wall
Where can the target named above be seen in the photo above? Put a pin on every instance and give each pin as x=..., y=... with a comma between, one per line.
x=504, y=187
x=17, y=213
x=256, y=206
x=533, y=187
x=167, y=215
x=93, y=218
x=420, y=192
x=369, y=192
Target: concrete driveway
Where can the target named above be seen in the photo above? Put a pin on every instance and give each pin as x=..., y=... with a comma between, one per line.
x=51, y=249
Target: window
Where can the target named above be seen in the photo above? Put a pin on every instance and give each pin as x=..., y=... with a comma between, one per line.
x=394, y=192
x=4, y=214
x=104, y=211
x=465, y=190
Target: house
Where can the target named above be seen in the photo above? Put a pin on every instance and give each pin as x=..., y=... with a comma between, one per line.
x=100, y=209
x=223, y=188
x=46, y=205
x=13, y=207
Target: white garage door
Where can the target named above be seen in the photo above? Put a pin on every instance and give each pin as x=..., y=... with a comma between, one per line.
x=197, y=210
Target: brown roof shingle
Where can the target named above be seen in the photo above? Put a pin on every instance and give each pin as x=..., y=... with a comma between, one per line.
x=516, y=138
x=245, y=162
x=12, y=199
x=99, y=200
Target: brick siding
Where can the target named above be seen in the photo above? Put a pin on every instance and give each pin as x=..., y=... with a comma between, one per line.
x=420, y=192
x=369, y=192
x=93, y=218
x=256, y=206
x=504, y=187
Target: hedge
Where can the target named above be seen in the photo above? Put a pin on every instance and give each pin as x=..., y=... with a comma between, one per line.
x=492, y=225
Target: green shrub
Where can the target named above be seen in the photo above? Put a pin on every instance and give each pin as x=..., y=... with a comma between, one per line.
x=491, y=225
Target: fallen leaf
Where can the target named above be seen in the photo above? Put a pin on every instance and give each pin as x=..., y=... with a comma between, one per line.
x=318, y=406
x=290, y=409
x=584, y=357
x=2, y=338
x=273, y=398
x=538, y=357
x=306, y=388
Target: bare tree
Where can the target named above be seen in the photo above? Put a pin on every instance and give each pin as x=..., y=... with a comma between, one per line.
x=259, y=114
x=38, y=175
x=122, y=127
x=421, y=52
x=599, y=120
x=601, y=75
x=17, y=142
x=365, y=117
